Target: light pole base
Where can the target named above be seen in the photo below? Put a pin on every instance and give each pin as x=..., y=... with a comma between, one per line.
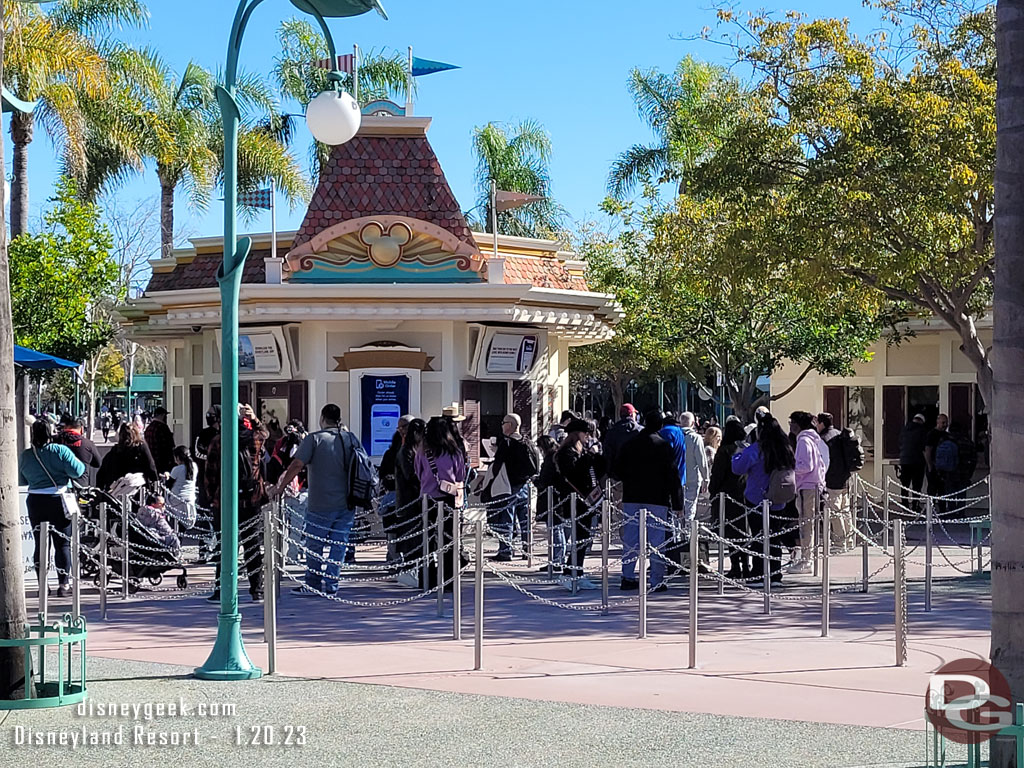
x=228, y=659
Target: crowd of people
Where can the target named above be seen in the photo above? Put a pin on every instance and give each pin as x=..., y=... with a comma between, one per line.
x=662, y=466
x=944, y=454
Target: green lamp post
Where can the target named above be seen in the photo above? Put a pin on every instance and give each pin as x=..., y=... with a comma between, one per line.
x=333, y=118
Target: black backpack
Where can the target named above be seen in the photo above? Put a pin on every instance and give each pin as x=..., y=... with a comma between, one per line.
x=853, y=454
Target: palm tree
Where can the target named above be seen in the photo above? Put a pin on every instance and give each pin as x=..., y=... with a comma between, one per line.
x=689, y=112
x=300, y=80
x=174, y=122
x=57, y=59
x=1007, y=477
x=516, y=159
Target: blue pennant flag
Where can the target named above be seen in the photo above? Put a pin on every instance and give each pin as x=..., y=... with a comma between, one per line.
x=428, y=67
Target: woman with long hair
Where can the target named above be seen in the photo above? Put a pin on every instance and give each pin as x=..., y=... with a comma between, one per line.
x=772, y=452
x=441, y=469
x=47, y=469
x=407, y=492
x=182, y=487
x=725, y=481
x=130, y=455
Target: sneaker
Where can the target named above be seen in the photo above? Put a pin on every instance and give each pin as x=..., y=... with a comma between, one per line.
x=801, y=567
x=585, y=583
x=214, y=597
x=629, y=585
x=304, y=591
x=63, y=591
x=408, y=579
x=257, y=597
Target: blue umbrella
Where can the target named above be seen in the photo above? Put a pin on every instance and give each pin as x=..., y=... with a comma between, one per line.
x=37, y=361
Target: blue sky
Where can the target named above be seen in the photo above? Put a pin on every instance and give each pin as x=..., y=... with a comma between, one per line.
x=561, y=62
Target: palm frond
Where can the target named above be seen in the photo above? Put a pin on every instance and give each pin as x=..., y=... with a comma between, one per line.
x=634, y=166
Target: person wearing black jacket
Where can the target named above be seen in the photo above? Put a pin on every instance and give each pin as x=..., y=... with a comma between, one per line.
x=72, y=435
x=724, y=480
x=131, y=455
x=846, y=456
x=407, y=491
x=620, y=433
x=580, y=469
x=912, y=462
x=650, y=481
x=519, y=460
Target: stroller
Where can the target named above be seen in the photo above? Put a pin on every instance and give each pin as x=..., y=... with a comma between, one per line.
x=149, y=557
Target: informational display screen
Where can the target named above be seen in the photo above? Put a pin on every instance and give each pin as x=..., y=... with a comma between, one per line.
x=258, y=353
x=511, y=353
x=384, y=400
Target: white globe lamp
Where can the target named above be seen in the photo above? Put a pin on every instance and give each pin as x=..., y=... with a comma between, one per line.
x=333, y=117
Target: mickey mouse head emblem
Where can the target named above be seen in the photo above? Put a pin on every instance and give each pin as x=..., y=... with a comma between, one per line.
x=385, y=247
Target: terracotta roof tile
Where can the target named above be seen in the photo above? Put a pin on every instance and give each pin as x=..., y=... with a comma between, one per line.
x=202, y=272
x=541, y=272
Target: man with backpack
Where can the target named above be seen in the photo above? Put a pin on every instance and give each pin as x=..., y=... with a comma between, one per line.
x=340, y=478
x=845, y=457
x=516, y=463
x=960, y=476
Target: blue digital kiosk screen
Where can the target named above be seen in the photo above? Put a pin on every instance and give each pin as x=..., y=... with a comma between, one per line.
x=385, y=399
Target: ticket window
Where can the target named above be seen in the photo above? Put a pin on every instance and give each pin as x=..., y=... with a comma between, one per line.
x=485, y=404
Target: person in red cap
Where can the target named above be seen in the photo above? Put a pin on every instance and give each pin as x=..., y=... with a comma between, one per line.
x=620, y=433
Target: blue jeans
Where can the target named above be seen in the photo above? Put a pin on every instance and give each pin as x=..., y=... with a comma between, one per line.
x=558, y=543
x=513, y=513
x=658, y=524
x=335, y=527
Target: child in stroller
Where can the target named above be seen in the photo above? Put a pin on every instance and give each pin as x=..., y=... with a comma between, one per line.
x=154, y=516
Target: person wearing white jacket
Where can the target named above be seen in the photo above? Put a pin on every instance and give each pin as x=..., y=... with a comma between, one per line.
x=811, y=466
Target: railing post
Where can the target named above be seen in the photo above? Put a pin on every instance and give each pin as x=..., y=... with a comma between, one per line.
x=641, y=573
x=531, y=524
x=766, y=552
x=929, y=512
x=478, y=598
x=269, y=585
x=103, y=559
x=125, y=506
x=440, y=559
x=815, y=530
x=721, y=541
x=43, y=571
x=551, y=532
x=864, y=564
x=572, y=539
x=899, y=594
x=694, y=589
x=76, y=564
x=425, y=542
x=825, y=586
x=457, y=574
x=606, y=536
x=885, y=512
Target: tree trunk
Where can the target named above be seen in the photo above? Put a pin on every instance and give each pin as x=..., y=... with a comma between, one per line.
x=22, y=127
x=166, y=217
x=1007, y=476
x=617, y=390
x=12, y=576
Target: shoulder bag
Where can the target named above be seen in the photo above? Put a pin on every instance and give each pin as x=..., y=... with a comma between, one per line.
x=68, y=498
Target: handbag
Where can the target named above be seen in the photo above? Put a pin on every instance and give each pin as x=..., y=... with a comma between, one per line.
x=457, y=490
x=68, y=498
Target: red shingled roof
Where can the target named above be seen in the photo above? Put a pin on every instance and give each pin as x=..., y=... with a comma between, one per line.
x=202, y=272
x=541, y=272
x=377, y=175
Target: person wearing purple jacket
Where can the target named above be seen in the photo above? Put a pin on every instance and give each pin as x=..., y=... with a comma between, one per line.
x=812, y=460
x=441, y=467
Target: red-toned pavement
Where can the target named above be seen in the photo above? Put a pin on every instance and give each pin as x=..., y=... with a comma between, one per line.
x=748, y=664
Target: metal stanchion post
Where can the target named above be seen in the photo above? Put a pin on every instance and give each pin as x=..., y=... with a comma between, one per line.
x=457, y=574
x=281, y=535
x=815, y=530
x=641, y=572
x=825, y=586
x=478, y=597
x=125, y=506
x=425, y=543
x=929, y=511
x=606, y=536
x=694, y=588
x=899, y=594
x=551, y=532
x=572, y=540
x=440, y=559
x=864, y=566
x=43, y=571
x=766, y=552
x=531, y=523
x=76, y=565
x=269, y=591
x=721, y=541
x=885, y=512
x=103, y=560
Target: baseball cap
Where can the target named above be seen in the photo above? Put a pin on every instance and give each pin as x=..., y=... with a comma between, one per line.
x=626, y=411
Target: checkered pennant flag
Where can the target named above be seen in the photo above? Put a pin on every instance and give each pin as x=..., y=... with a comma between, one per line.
x=258, y=198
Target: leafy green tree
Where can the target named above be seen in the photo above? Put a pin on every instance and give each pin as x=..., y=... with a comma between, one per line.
x=889, y=151
x=517, y=159
x=1008, y=371
x=58, y=58
x=59, y=275
x=302, y=44
x=688, y=111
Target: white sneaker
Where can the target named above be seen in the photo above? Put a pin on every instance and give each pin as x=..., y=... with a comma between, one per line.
x=801, y=567
x=794, y=556
x=585, y=583
x=566, y=583
x=408, y=579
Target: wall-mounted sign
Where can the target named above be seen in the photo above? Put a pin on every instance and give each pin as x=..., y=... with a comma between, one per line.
x=384, y=400
x=511, y=353
x=258, y=353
